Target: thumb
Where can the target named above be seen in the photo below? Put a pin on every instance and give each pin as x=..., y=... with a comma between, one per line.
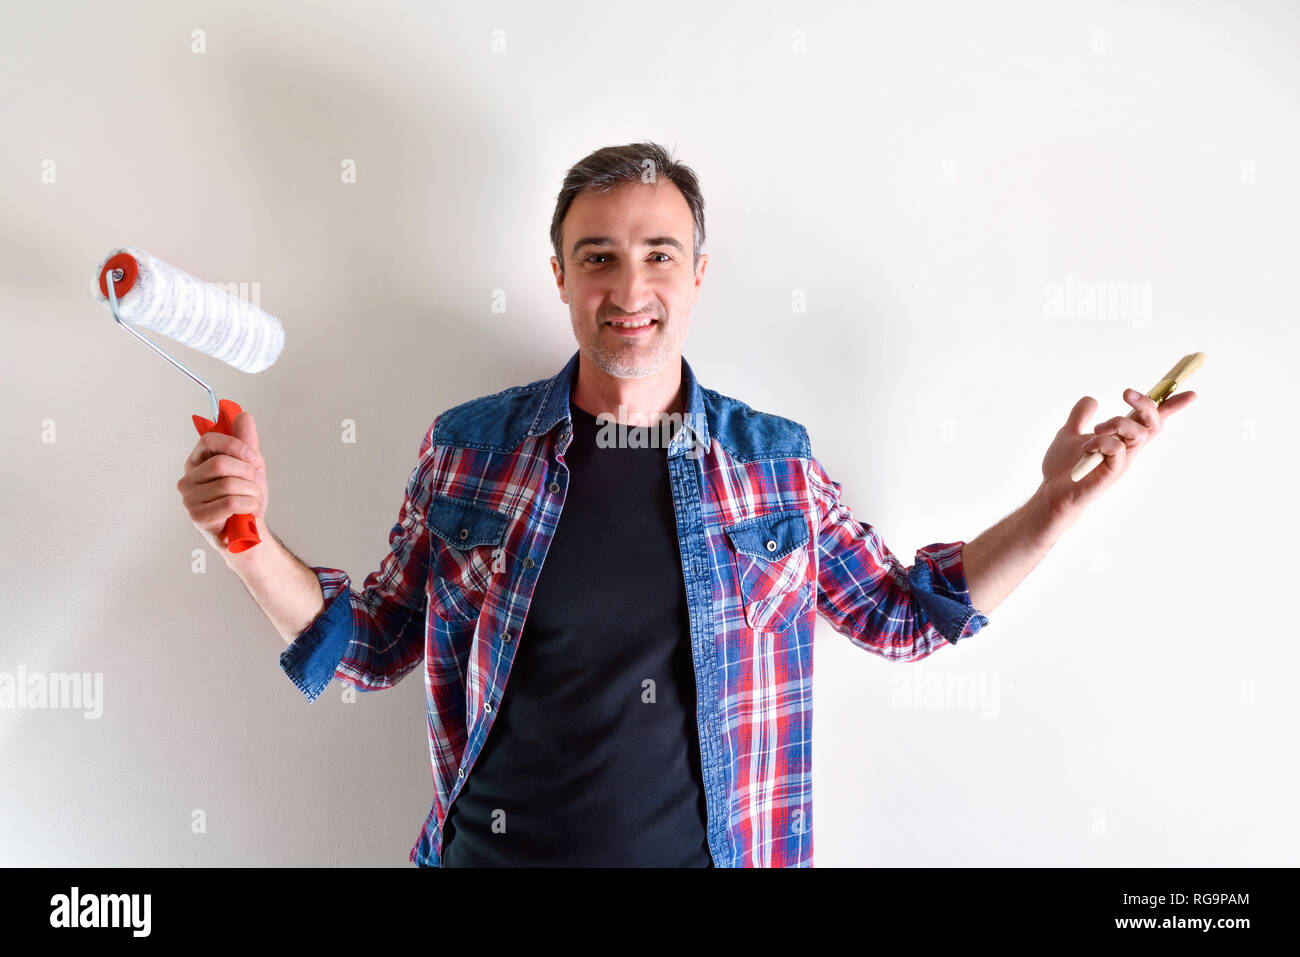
x=1083, y=411
x=244, y=429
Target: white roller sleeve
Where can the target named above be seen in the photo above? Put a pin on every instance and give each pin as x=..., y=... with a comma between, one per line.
x=198, y=314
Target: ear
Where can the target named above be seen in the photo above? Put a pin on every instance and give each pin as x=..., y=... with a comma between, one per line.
x=699, y=275
x=559, y=280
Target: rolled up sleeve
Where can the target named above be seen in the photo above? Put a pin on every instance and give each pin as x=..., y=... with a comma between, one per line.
x=370, y=639
x=902, y=613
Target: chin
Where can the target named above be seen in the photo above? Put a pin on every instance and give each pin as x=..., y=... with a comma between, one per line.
x=623, y=366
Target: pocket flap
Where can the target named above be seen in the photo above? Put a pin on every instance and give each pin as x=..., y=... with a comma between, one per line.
x=770, y=536
x=465, y=524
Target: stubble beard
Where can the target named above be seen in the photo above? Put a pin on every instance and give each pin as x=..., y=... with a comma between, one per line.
x=631, y=360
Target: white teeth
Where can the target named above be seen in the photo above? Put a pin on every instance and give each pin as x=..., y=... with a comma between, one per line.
x=631, y=325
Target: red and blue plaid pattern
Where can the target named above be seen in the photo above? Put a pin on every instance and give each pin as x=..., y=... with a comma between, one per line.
x=766, y=544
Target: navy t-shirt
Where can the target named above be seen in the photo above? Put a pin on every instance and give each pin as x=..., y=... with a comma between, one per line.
x=593, y=759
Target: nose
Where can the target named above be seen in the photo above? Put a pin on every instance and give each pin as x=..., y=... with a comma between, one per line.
x=631, y=293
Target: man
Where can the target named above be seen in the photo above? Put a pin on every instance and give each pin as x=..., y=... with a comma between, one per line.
x=616, y=618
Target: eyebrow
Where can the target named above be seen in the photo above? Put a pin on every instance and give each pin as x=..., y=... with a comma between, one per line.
x=606, y=241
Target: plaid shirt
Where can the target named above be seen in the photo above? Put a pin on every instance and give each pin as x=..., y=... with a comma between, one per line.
x=766, y=544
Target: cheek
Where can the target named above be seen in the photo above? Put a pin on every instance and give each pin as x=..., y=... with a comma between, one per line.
x=587, y=301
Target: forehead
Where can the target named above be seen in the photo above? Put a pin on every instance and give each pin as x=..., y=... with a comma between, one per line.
x=631, y=209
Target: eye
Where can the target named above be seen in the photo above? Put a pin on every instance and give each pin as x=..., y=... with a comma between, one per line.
x=593, y=256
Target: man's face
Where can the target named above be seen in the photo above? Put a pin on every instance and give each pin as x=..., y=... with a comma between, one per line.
x=627, y=258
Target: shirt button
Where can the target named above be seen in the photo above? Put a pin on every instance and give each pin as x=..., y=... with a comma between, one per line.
x=554, y=487
x=464, y=534
x=461, y=773
x=506, y=637
x=487, y=706
x=528, y=563
x=771, y=545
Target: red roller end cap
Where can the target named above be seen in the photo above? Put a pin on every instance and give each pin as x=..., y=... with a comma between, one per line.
x=130, y=270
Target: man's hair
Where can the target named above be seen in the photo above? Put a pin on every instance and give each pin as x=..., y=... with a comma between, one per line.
x=612, y=166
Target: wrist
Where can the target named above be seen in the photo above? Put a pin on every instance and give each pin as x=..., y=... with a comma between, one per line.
x=251, y=560
x=1046, y=519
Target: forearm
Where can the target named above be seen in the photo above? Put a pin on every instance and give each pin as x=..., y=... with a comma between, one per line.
x=997, y=560
x=285, y=588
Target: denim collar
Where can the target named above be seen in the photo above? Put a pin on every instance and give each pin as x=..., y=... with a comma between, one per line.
x=554, y=407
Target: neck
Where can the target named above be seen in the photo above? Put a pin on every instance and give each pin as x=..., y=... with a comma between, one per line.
x=595, y=391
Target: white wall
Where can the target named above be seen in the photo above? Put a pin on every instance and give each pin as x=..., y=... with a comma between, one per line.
x=924, y=172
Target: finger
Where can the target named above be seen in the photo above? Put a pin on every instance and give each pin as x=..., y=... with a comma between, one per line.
x=1180, y=401
x=219, y=465
x=246, y=429
x=224, y=486
x=211, y=512
x=1145, y=406
x=214, y=443
x=1083, y=411
x=1109, y=445
x=1130, y=432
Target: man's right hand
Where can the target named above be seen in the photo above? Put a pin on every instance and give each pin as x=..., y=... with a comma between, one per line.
x=225, y=475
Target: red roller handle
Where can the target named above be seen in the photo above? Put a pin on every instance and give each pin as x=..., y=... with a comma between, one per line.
x=241, y=530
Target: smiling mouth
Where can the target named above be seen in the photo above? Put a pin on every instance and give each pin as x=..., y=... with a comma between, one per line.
x=640, y=322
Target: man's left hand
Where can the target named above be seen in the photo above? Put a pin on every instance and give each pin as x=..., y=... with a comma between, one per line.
x=1118, y=439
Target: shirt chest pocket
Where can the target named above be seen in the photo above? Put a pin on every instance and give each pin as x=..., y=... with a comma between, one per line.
x=774, y=567
x=466, y=550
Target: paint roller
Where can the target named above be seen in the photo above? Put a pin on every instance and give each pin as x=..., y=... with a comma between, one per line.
x=140, y=289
